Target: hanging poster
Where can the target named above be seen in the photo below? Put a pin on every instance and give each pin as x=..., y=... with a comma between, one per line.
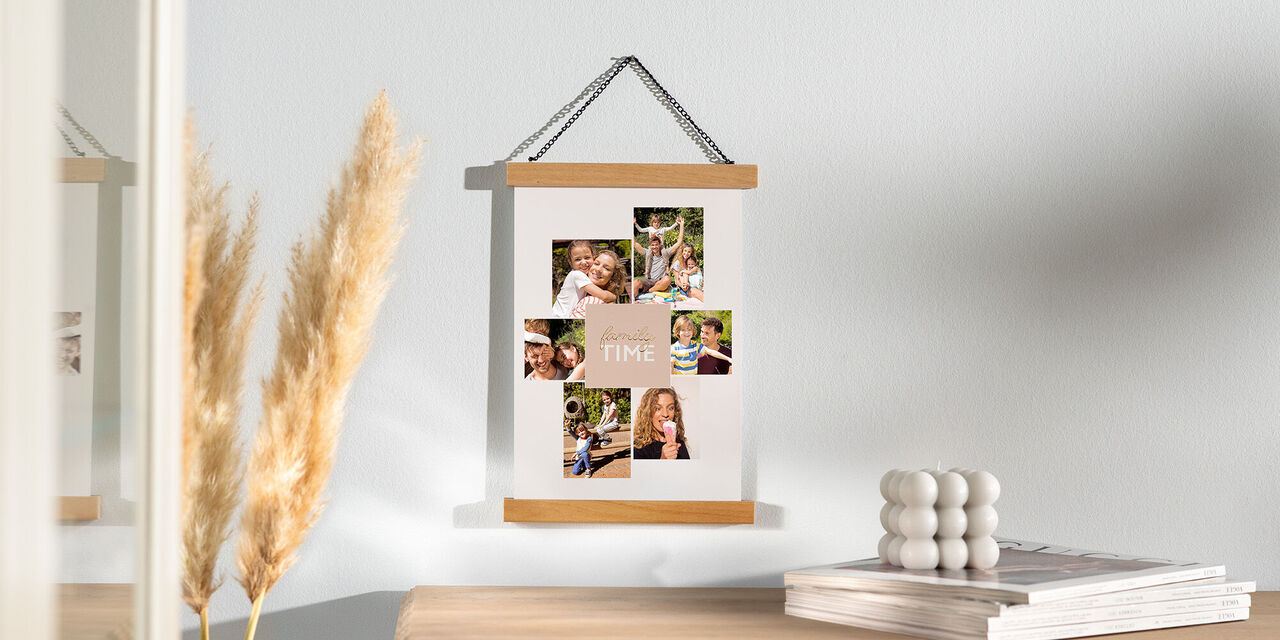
x=631, y=343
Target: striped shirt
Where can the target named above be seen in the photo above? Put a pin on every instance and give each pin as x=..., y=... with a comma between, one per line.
x=580, y=309
x=684, y=359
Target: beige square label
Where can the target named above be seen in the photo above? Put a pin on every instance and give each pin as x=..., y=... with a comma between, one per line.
x=628, y=345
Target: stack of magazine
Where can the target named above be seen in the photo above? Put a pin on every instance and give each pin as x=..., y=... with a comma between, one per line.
x=1035, y=592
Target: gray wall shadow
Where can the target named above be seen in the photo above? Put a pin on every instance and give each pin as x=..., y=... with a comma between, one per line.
x=108, y=459
x=499, y=432
x=368, y=615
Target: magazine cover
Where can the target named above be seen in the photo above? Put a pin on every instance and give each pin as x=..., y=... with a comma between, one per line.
x=1027, y=573
x=897, y=608
x=1142, y=597
x=1059, y=632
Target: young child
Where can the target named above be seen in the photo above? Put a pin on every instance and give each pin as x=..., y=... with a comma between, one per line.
x=608, y=418
x=574, y=360
x=687, y=276
x=605, y=274
x=582, y=459
x=685, y=352
x=693, y=274
x=577, y=284
x=654, y=228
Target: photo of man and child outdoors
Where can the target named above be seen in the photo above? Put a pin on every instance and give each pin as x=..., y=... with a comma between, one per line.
x=597, y=432
x=702, y=343
x=587, y=272
x=553, y=350
x=668, y=261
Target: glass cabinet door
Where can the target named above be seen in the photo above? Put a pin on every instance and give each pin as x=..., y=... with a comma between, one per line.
x=90, y=275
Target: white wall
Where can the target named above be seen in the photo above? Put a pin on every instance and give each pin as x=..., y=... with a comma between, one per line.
x=1040, y=241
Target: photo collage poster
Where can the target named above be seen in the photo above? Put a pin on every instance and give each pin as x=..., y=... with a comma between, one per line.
x=630, y=346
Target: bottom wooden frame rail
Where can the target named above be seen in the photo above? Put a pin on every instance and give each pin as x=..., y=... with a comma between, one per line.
x=631, y=511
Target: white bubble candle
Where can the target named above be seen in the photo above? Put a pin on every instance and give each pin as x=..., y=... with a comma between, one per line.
x=936, y=519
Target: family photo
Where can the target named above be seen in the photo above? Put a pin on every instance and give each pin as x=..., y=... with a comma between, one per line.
x=668, y=247
x=587, y=272
x=553, y=349
x=701, y=342
x=597, y=432
x=658, y=429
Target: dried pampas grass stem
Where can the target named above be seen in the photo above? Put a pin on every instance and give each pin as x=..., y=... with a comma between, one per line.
x=337, y=280
x=219, y=323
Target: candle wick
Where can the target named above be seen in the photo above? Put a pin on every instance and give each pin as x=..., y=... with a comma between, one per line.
x=939, y=467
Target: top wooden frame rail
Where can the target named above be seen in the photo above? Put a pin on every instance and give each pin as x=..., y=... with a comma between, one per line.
x=622, y=175
x=84, y=170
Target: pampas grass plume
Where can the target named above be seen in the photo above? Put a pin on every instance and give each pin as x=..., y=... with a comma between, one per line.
x=337, y=280
x=219, y=327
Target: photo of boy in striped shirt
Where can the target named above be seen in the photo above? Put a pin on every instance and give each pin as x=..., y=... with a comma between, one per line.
x=685, y=352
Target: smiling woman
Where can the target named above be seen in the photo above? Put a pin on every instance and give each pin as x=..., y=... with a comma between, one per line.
x=659, y=426
x=588, y=272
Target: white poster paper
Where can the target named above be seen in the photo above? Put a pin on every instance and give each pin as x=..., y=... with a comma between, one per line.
x=652, y=276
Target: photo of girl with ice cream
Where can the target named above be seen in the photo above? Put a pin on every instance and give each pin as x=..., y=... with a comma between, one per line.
x=658, y=430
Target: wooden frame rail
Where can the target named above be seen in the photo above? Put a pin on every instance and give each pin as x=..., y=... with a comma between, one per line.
x=84, y=170
x=630, y=511
x=80, y=508
x=622, y=175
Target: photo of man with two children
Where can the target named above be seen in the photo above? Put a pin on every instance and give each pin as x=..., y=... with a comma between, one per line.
x=668, y=256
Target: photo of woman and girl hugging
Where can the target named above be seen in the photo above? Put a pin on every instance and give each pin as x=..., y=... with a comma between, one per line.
x=597, y=426
x=553, y=350
x=672, y=272
x=587, y=272
x=701, y=343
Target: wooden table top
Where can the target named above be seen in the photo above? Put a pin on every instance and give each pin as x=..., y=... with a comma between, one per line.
x=95, y=611
x=616, y=612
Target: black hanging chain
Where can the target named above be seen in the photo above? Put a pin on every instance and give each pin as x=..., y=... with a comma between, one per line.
x=613, y=73
x=617, y=68
x=84, y=133
x=74, y=149
x=679, y=109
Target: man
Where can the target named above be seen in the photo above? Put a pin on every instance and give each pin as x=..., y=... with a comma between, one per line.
x=540, y=357
x=656, y=261
x=711, y=365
